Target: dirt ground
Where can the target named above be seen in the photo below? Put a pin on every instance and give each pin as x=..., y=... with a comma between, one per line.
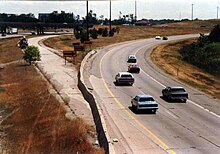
x=126, y=33
x=32, y=119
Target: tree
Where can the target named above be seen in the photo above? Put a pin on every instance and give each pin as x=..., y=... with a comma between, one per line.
x=94, y=33
x=31, y=54
x=111, y=32
x=203, y=40
x=214, y=36
x=105, y=33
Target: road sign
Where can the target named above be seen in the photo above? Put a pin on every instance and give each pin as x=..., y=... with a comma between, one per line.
x=79, y=48
x=76, y=43
x=69, y=54
x=87, y=42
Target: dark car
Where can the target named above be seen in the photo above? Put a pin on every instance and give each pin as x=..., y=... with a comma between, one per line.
x=134, y=68
x=175, y=93
x=132, y=59
x=144, y=102
x=165, y=38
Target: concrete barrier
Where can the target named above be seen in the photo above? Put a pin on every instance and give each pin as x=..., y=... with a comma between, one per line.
x=97, y=115
x=103, y=142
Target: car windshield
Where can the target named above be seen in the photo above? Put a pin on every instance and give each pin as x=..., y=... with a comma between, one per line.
x=133, y=66
x=144, y=99
x=131, y=57
x=126, y=75
x=177, y=90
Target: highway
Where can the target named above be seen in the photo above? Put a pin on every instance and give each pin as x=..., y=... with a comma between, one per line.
x=191, y=127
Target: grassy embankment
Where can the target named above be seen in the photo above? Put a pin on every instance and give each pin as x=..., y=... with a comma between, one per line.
x=199, y=79
x=168, y=58
x=32, y=120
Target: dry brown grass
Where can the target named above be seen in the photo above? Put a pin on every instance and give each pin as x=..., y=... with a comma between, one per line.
x=127, y=33
x=196, y=23
x=33, y=120
x=168, y=58
x=9, y=54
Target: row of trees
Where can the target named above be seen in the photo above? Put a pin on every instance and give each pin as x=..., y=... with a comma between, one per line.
x=205, y=53
x=81, y=33
x=64, y=17
x=18, y=18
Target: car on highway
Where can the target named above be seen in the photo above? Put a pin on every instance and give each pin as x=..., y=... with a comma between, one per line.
x=144, y=102
x=164, y=38
x=33, y=33
x=133, y=68
x=158, y=37
x=132, y=59
x=124, y=78
x=175, y=93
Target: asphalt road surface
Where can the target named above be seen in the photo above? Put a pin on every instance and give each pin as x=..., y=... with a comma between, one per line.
x=191, y=127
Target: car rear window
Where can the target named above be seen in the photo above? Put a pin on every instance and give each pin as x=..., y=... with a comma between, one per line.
x=177, y=90
x=146, y=99
x=126, y=75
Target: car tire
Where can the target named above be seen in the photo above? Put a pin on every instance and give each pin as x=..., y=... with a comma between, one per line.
x=132, y=106
x=136, y=109
x=168, y=98
x=116, y=82
x=154, y=111
x=184, y=100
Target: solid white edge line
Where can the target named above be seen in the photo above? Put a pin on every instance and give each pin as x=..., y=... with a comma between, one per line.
x=218, y=116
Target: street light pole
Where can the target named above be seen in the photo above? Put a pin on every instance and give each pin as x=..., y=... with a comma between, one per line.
x=87, y=20
x=192, y=12
x=217, y=12
x=110, y=20
x=135, y=11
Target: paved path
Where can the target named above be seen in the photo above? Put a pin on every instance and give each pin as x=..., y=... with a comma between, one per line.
x=64, y=79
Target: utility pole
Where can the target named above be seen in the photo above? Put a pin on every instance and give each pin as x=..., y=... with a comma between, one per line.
x=192, y=12
x=87, y=20
x=217, y=12
x=110, y=20
x=135, y=11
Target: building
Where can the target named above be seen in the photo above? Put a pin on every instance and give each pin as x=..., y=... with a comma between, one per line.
x=143, y=22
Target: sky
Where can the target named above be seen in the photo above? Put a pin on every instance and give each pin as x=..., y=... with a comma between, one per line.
x=148, y=9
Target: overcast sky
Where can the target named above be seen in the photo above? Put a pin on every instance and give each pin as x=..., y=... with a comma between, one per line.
x=148, y=9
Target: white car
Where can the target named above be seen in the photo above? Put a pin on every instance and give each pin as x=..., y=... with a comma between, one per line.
x=124, y=78
x=144, y=102
x=132, y=59
x=158, y=37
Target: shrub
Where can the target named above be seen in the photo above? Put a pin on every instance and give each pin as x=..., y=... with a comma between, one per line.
x=117, y=29
x=100, y=31
x=214, y=36
x=105, y=32
x=31, y=53
x=83, y=37
x=207, y=57
x=111, y=32
x=94, y=33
